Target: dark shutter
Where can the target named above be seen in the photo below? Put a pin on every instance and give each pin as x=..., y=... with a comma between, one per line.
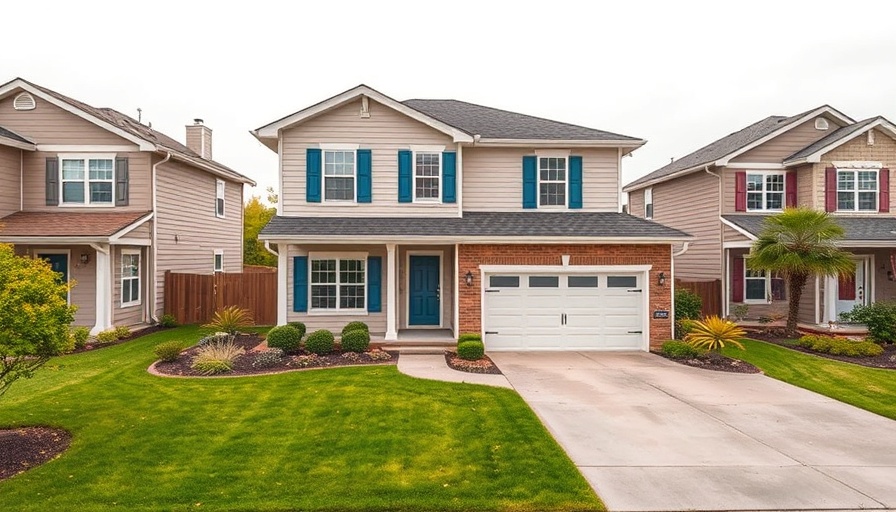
x=830, y=189
x=575, y=182
x=300, y=283
x=530, y=182
x=449, y=177
x=846, y=287
x=737, y=279
x=121, y=181
x=52, y=181
x=374, y=284
x=312, y=175
x=405, y=194
x=365, y=176
x=740, y=191
x=884, y=185
x=790, y=192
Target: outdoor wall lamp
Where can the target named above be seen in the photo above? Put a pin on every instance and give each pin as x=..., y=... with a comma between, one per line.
x=85, y=258
x=469, y=278
x=661, y=279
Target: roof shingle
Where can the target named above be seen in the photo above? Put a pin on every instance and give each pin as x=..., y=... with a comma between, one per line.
x=856, y=228
x=835, y=136
x=9, y=134
x=61, y=224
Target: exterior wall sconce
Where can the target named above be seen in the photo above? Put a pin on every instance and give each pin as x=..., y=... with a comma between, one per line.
x=661, y=279
x=468, y=278
x=85, y=258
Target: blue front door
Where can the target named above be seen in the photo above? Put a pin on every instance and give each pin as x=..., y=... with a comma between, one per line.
x=59, y=262
x=424, y=290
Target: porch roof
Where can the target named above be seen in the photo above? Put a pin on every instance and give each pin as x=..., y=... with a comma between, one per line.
x=857, y=228
x=23, y=225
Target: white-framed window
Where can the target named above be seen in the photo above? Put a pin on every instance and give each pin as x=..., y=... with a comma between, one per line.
x=857, y=190
x=552, y=181
x=130, y=277
x=648, y=203
x=427, y=176
x=340, y=173
x=87, y=180
x=338, y=282
x=219, y=260
x=761, y=287
x=220, y=190
x=765, y=191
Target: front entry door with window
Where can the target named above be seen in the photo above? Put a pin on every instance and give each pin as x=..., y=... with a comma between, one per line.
x=424, y=293
x=59, y=262
x=852, y=290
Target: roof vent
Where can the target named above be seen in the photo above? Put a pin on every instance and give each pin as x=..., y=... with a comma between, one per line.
x=821, y=123
x=23, y=101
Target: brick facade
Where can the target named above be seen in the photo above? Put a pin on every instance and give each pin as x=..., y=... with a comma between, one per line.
x=471, y=256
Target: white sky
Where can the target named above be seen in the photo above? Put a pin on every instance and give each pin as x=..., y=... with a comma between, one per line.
x=677, y=73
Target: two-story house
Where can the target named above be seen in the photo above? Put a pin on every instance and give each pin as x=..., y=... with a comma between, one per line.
x=112, y=203
x=722, y=193
x=441, y=214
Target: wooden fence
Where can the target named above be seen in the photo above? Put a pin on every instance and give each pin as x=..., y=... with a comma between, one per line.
x=710, y=293
x=194, y=298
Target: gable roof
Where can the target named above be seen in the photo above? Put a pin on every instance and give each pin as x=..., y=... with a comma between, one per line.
x=813, y=152
x=13, y=139
x=733, y=144
x=870, y=228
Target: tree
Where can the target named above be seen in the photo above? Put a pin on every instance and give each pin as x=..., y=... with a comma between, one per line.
x=797, y=244
x=34, y=316
x=256, y=215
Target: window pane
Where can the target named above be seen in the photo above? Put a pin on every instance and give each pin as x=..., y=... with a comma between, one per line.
x=648, y=210
x=774, y=200
x=323, y=271
x=73, y=169
x=544, y=281
x=755, y=289
x=351, y=271
x=774, y=183
x=342, y=189
x=504, y=281
x=867, y=180
x=845, y=181
x=754, y=200
x=754, y=182
x=552, y=194
x=622, y=281
x=101, y=192
x=582, y=282
x=323, y=296
x=846, y=201
x=427, y=164
x=73, y=192
x=100, y=169
x=868, y=201
x=351, y=297
x=427, y=188
x=339, y=163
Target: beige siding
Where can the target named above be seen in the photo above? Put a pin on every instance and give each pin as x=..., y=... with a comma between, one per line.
x=385, y=132
x=636, y=203
x=188, y=230
x=883, y=150
x=730, y=234
x=884, y=288
x=805, y=187
x=139, y=186
x=10, y=172
x=129, y=315
x=49, y=124
x=786, y=144
x=83, y=277
x=448, y=280
x=493, y=179
x=728, y=189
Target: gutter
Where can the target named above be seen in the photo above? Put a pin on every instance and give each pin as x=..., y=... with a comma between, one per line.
x=684, y=248
x=155, y=238
x=723, y=254
x=267, y=247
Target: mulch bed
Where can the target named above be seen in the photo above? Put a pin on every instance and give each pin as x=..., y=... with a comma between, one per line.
x=716, y=362
x=484, y=365
x=887, y=360
x=24, y=448
x=253, y=343
x=93, y=344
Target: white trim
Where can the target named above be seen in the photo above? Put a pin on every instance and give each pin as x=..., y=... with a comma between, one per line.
x=221, y=186
x=391, y=293
x=104, y=259
x=765, y=192
x=26, y=107
x=142, y=242
x=130, y=227
x=426, y=200
x=565, y=205
x=815, y=300
x=634, y=144
x=122, y=277
x=339, y=148
x=68, y=265
x=816, y=156
x=459, y=181
x=858, y=164
x=154, y=252
x=648, y=191
x=218, y=252
x=427, y=148
x=485, y=239
x=282, y=283
x=86, y=148
x=553, y=153
x=329, y=146
x=619, y=191
x=737, y=228
x=6, y=141
x=737, y=245
x=86, y=181
x=407, y=286
x=456, y=289
x=337, y=256
x=756, y=166
x=832, y=286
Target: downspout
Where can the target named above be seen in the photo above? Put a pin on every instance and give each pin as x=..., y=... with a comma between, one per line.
x=267, y=247
x=155, y=237
x=722, y=259
x=21, y=179
x=684, y=248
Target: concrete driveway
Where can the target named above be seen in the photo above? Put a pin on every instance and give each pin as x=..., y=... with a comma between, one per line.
x=650, y=434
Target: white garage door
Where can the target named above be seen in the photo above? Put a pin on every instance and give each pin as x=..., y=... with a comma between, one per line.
x=601, y=311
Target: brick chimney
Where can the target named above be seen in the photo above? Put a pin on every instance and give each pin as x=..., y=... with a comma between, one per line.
x=199, y=138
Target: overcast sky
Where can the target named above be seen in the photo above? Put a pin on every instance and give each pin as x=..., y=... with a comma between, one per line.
x=677, y=73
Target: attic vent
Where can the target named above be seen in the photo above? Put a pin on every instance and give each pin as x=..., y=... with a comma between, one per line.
x=821, y=123
x=23, y=101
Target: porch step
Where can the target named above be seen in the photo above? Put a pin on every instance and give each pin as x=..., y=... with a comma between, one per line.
x=422, y=347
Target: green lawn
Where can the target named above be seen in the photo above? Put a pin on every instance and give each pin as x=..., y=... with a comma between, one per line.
x=366, y=438
x=869, y=388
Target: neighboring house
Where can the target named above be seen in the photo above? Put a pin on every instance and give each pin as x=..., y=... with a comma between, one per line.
x=440, y=214
x=722, y=192
x=112, y=203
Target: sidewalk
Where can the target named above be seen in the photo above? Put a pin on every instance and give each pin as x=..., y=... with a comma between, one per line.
x=433, y=367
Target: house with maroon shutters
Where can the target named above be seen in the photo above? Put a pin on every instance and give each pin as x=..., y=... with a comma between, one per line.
x=448, y=217
x=722, y=193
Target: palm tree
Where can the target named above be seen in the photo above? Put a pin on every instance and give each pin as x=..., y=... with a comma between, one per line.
x=799, y=243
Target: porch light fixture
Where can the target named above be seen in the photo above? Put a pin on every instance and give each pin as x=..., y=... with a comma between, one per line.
x=85, y=258
x=661, y=279
x=469, y=278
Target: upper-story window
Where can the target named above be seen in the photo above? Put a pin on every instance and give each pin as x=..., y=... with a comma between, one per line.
x=552, y=180
x=765, y=191
x=220, y=189
x=648, y=203
x=87, y=180
x=857, y=190
x=339, y=175
x=427, y=176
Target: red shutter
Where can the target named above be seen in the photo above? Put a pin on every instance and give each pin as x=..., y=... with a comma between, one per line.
x=846, y=287
x=740, y=191
x=737, y=279
x=830, y=189
x=884, y=185
x=790, y=189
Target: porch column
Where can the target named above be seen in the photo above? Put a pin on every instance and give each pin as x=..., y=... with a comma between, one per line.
x=103, y=288
x=391, y=299
x=830, y=300
x=282, y=284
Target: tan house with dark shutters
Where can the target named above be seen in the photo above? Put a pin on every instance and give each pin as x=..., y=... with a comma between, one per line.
x=722, y=192
x=111, y=203
x=450, y=217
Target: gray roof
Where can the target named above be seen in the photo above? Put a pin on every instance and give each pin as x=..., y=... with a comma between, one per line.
x=493, y=123
x=831, y=138
x=9, y=134
x=856, y=228
x=497, y=224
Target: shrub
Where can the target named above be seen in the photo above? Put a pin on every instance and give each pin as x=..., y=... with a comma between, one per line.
x=355, y=341
x=230, y=320
x=675, y=349
x=267, y=358
x=713, y=333
x=320, y=342
x=107, y=336
x=307, y=360
x=168, y=321
x=122, y=331
x=216, y=358
x=687, y=304
x=218, y=337
x=880, y=318
x=286, y=338
x=740, y=311
x=299, y=326
x=379, y=355
x=80, y=335
x=683, y=327
x=470, y=350
x=168, y=351
x=469, y=336
x=355, y=326
x=352, y=356
x=840, y=346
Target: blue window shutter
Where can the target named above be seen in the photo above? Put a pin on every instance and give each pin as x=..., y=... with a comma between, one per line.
x=530, y=182
x=404, y=177
x=575, y=182
x=449, y=177
x=365, y=172
x=374, y=284
x=312, y=175
x=300, y=283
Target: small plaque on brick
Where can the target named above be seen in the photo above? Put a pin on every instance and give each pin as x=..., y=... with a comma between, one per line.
x=661, y=313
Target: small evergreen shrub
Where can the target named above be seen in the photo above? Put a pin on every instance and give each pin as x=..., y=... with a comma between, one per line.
x=286, y=338
x=107, y=336
x=122, y=331
x=471, y=350
x=355, y=326
x=675, y=349
x=840, y=346
x=355, y=341
x=215, y=358
x=687, y=304
x=80, y=335
x=683, y=327
x=879, y=318
x=299, y=326
x=168, y=351
x=168, y=321
x=218, y=337
x=267, y=358
x=469, y=336
x=320, y=342
x=379, y=355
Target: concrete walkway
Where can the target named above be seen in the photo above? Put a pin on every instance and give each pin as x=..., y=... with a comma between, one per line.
x=434, y=367
x=650, y=434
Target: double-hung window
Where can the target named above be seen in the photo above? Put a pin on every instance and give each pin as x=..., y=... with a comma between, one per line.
x=219, y=198
x=87, y=180
x=765, y=191
x=338, y=282
x=339, y=175
x=761, y=286
x=427, y=176
x=219, y=260
x=648, y=203
x=857, y=190
x=130, y=277
x=552, y=181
